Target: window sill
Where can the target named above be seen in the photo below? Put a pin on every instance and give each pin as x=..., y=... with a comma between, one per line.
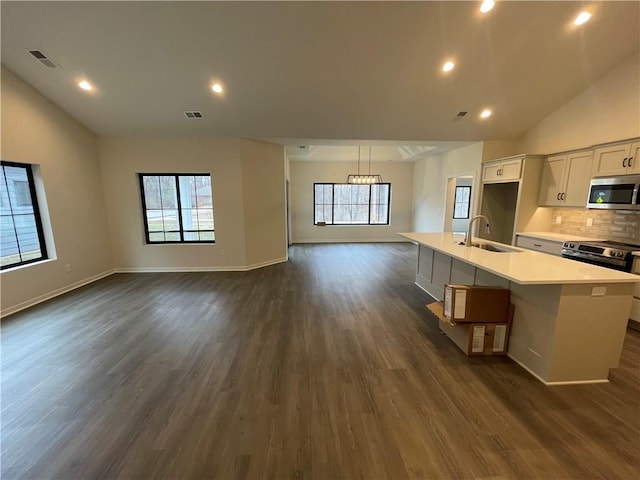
x=27, y=265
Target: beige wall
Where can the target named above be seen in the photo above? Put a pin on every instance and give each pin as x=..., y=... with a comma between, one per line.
x=263, y=176
x=607, y=111
x=38, y=132
x=303, y=176
x=236, y=166
x=495, y=149
x=431, y=176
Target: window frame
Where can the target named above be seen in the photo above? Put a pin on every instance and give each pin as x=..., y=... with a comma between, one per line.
x=333, y=205
x=36, y=213
x=181, y=230
x=455, y=202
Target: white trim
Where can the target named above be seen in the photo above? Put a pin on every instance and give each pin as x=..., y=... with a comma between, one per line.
x=425, y=291
x=551, y=384
x=576, y=382
x=27, y=265
x=350, y=240
x=47, y=296
x=86, y=281
x=230, y=268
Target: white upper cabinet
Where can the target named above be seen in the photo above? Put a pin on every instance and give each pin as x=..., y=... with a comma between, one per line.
x=619, y=159
x=565, y=180
x=505, y=170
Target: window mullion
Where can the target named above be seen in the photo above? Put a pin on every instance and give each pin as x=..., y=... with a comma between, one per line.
x=164, y=226
x=369, y=209
x=177, y=178
x=13, y=215
x=36, y=213
x=333, y=203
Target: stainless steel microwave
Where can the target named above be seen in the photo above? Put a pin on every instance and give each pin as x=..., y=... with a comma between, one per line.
x=616, y=193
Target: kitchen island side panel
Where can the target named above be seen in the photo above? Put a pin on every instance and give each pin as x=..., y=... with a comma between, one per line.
x=590, y=331
x=533, y=327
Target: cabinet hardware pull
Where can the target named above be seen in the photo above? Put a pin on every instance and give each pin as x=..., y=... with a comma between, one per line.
x=558, y=196
x=537, y=244
x=629, y=162
x=624, y=162
x=562, y=196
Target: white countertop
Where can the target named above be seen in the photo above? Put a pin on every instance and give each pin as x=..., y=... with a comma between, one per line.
x=558, y=237
x=524, y=266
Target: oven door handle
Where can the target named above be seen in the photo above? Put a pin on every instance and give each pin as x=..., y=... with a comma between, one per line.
x=592, y=259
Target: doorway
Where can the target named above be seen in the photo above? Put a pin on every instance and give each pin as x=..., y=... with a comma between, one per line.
x=459, y=205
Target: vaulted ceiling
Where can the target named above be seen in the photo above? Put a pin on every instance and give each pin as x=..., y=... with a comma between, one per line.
x=343, y=72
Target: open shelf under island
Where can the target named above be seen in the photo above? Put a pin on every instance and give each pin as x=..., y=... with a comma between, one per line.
x=570, y=317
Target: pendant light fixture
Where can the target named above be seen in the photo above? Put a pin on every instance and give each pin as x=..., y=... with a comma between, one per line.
x=364, y=179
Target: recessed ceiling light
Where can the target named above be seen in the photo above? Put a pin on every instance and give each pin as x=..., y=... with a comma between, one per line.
x=85, y=85
x=217, y=88
x=486, y=113
x=583, y=17
x=487, y=5
x=448, y=66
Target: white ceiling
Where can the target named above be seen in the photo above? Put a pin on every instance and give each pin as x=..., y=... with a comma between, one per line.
x=317, y=73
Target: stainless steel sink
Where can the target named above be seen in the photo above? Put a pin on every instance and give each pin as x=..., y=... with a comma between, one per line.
x=493, y=248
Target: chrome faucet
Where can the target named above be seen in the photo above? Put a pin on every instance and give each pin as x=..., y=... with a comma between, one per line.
x=467, y=238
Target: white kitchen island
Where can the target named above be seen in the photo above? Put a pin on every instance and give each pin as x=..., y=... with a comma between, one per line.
x=570, y=317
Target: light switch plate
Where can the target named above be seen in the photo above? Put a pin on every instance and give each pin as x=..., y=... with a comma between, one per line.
x=589, y=222
x=558, y=220
x=598, y=291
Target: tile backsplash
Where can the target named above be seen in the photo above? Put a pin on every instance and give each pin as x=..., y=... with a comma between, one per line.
x=618, y=225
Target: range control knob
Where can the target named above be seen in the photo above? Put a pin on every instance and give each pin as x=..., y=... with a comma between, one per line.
x=620, y=254
x=572, y=245
x=612, y=253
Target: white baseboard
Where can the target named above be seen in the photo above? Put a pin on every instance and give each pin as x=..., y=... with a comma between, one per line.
x=86, y=281
x=350, y=240
x=551, y=384
x=228, y=268
x=55, y=293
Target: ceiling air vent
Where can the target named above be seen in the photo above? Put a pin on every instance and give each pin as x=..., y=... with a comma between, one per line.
x=459, y=116
x=43, y=59
x=193, y=114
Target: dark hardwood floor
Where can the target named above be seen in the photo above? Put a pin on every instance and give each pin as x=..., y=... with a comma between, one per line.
x=327, y=366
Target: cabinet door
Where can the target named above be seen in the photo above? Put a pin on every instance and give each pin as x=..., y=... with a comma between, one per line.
x=577, y=179
x=511, y=170
x=634, y=159
x=551, y=185
x=491, y=172
x=612, y=160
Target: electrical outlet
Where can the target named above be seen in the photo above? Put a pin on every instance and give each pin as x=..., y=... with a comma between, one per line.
x=67, y=267
x=222, y=252
x=589, y=222
x=558, y=220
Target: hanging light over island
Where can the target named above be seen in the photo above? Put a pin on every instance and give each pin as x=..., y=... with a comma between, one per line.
x=364, y=178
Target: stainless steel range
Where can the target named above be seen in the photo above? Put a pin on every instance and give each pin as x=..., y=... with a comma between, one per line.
x=605, y=254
